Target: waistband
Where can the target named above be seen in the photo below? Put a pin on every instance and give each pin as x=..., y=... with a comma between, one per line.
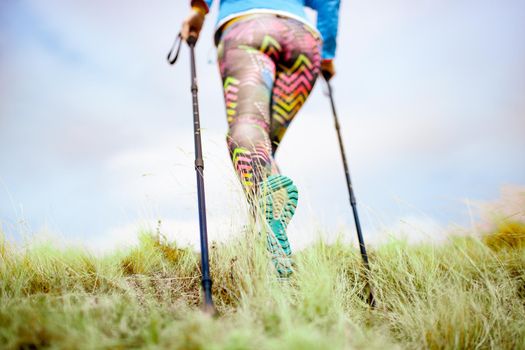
x=227, y=22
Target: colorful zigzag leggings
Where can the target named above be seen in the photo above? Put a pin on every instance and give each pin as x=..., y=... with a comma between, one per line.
x=269, y=65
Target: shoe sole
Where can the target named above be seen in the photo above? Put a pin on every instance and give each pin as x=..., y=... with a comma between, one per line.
x=279, y=201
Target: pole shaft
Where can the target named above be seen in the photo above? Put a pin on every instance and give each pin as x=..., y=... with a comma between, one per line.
x=199, y=169
x=351, y=194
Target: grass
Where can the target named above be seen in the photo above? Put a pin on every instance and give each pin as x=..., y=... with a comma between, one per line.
x=467, y=293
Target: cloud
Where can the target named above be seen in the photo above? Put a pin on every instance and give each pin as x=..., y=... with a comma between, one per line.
x=185, y=233
x=413, y=229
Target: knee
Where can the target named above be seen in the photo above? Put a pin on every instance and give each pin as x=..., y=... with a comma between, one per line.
x=245, y=135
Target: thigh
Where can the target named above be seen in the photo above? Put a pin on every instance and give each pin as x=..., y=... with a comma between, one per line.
x=248, y=77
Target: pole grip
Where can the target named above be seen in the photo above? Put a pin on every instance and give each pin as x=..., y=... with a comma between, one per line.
x=326, y=75
x=192, y=40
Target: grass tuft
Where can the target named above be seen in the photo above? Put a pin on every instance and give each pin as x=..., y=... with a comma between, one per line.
x=508, y=235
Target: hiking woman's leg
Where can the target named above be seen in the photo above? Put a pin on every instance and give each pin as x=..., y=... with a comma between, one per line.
x=296, y=74
x=248, y=76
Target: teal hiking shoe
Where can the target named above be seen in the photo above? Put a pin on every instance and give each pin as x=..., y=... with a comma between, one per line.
x=278, y=202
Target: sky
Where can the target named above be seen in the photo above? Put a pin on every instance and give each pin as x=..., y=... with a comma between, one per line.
x=96, y=138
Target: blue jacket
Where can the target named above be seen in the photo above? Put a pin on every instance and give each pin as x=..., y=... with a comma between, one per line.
x=327, y=15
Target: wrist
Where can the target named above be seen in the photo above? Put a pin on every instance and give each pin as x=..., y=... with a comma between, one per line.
x=200, y=10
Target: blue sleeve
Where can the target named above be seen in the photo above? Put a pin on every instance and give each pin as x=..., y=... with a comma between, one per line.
x=205, y=2
x=327, y=23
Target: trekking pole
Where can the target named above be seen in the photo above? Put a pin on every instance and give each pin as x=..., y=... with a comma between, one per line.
x=208, y=306
x=353, y=202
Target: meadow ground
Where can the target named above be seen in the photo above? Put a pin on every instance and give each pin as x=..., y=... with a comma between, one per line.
x=465, y=293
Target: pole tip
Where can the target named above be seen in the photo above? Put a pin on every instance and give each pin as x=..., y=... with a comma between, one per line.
x=210, y=310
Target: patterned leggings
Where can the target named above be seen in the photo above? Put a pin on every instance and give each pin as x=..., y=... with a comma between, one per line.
x=269, y=65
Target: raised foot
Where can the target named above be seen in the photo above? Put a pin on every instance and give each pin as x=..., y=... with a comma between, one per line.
x=278, y=202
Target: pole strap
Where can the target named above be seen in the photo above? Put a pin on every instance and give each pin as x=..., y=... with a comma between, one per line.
x=173, y=55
